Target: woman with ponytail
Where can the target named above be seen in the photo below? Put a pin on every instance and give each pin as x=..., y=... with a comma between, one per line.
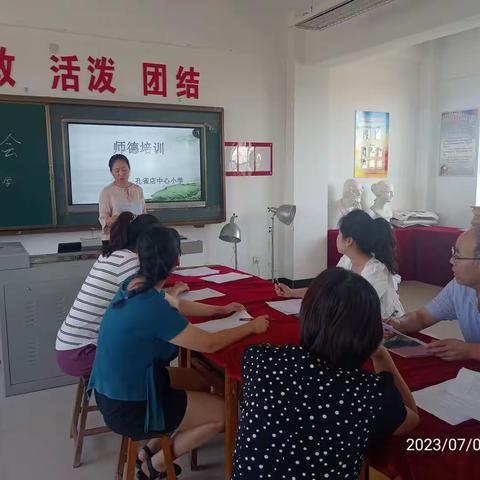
x=77, y=337
x=136, y=391
x=368, y=248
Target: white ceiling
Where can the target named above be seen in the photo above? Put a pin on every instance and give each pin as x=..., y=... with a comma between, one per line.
x=281, y=6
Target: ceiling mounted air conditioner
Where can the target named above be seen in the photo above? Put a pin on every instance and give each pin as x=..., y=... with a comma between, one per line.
x=335, y=12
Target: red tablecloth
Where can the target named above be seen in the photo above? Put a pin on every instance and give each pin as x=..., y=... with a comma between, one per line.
x=393, y=458
x=252, y=292
x=423, y=253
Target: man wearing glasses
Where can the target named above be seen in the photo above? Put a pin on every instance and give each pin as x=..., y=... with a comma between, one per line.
x=460, y=299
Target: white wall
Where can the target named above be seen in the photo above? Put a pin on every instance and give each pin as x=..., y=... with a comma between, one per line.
x=385, y=83
x=363, y=73
x=373, y=66
x=242, y=66
x=399, y=24
x=456, y=84
x=274, y=86
x=415, y=85
x=310, y=165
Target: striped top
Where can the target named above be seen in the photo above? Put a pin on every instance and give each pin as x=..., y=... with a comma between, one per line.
x=82, y=324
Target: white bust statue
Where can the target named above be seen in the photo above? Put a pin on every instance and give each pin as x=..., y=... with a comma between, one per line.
x=382, y=207
x=351, y=197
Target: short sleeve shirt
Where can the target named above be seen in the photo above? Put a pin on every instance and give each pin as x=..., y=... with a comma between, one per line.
x=301, y=418
x=133, y=338
x=384, y=282
x=458, y=302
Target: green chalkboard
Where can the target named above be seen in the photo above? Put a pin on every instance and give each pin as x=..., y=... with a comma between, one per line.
x=25, y=187
x=34, y=185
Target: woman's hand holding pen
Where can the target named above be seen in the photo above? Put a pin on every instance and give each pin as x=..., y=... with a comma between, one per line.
x=260, y=324
x=282, y=290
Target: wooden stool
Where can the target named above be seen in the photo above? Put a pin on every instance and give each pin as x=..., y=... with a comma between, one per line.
x=78, y=430
x=129, y=452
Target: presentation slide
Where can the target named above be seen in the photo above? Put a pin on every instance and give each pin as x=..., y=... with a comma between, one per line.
x=165, y=161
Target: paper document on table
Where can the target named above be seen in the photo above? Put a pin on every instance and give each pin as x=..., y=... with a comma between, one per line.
x=226, y=277
x=450, y=400
x=234, y=320
x=437, y=401
x=202, y=294
x=196, y=272
x=403, y=345
x=288, y=307
x=467, y=385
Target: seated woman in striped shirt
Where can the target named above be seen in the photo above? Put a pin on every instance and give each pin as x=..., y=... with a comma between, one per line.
x=77, y=337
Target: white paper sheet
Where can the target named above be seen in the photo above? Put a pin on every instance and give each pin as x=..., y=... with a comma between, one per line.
x=134, y=207
x=226, y=277
x=202, y=294
x=455, y=400
x=444, y=330
x=467, y=385
x=196, y=272
x=234, y=320
x=288, y=307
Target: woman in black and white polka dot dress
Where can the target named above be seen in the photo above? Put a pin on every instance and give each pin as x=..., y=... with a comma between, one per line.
x=310, y=411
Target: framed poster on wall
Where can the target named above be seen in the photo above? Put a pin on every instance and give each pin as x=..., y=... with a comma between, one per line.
x=248, y=158
x=459, y=143
x=371, y=144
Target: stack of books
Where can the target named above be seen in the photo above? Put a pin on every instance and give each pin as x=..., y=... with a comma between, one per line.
x=418, y=217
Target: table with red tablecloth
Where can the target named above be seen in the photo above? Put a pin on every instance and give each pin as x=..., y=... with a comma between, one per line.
x=423, y=253
x=392, y=458
x=252, y=292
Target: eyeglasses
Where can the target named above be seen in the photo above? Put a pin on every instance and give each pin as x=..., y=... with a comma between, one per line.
x=456, y=257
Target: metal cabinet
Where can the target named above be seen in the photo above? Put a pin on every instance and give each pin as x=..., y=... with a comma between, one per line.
x=33, y=304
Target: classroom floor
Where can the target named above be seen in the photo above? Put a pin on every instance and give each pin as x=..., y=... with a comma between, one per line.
x=34, y=440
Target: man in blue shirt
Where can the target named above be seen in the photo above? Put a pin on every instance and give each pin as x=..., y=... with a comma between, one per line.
x=458, y=300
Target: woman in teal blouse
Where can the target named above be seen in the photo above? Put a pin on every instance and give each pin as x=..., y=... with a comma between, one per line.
x=140, y=333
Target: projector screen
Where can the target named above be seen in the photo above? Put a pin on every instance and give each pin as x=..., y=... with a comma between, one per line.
x=166, y=161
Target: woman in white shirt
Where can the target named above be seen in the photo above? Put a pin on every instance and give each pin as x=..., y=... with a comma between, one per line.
x=121, y=195
x=368, y=248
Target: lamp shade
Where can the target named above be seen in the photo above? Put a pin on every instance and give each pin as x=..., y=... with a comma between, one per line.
x=231, y=232
x=286, y=213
